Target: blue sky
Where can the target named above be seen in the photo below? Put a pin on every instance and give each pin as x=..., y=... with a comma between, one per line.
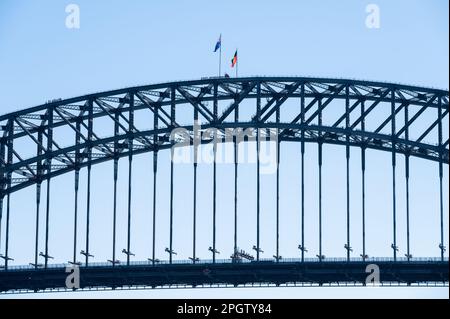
x=126, y=43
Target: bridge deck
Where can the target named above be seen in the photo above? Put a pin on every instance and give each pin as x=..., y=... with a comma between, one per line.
x=235, y=273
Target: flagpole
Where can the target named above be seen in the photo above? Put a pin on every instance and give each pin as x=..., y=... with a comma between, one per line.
x=237, y=63
x=220, y=55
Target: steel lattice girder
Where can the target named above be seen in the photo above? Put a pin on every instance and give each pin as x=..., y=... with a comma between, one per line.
x=38, y=124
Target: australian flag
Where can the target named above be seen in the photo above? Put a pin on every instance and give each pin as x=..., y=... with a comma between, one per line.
x=218, y=44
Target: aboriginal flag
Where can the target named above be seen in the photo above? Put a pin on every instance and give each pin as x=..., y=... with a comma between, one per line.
x=234, y=60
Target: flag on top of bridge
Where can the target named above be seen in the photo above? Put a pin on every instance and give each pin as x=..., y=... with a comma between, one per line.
x=234, y=59
x=218, y=44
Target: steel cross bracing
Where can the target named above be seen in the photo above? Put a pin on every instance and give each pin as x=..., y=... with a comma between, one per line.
x=36, y=127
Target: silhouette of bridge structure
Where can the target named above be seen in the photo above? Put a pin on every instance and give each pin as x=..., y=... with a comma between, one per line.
x=385, y=117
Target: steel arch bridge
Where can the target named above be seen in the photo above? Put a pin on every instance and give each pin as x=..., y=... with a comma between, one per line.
x=217, y=103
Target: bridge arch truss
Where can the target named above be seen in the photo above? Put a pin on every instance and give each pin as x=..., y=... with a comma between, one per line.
x=372, y=115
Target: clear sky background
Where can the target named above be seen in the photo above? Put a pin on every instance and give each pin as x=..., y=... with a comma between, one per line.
x=127, y=43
